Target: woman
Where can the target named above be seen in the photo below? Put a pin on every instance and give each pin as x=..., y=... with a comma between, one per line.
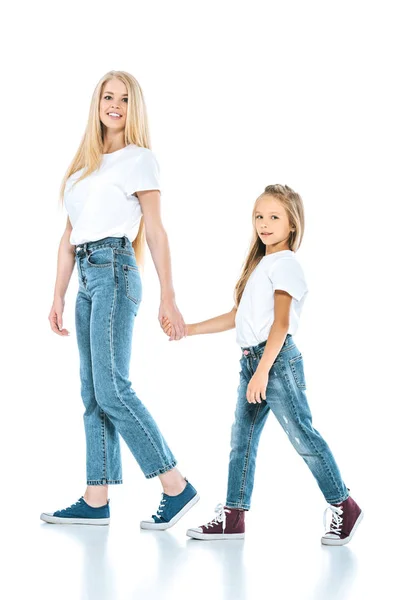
x=112, y=196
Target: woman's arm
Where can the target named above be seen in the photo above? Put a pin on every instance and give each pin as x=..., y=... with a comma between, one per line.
x=157, y=240
x=65, y=266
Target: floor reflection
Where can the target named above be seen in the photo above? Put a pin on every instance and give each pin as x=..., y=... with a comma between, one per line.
x=338, y=573
x=98, y=581
x=212, y=568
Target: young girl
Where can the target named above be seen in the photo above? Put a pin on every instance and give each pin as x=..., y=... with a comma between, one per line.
x=269, y=298
x=111, y=192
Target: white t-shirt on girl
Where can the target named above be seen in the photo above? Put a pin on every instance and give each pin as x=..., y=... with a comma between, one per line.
x=255, y=313
x=102, y=204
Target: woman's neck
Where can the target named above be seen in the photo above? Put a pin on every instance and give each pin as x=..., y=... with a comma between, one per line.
x=113, y=143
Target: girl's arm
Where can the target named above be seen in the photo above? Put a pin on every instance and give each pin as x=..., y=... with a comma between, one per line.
x=157, y=240
x=65, y=266
x=278, y=331
x=214, y=325
x=256, y=389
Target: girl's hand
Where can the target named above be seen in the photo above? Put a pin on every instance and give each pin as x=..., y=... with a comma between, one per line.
x=167, y=327
x=55, y=317
x=257, y=387
x=169, y=310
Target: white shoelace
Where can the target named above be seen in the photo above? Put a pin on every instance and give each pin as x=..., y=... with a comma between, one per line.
x=161, y=507
x=336, y=519
x=74, y=504
x=220, y=518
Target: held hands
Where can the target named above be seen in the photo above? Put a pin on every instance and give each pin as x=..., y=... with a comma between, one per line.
x=170, y=317
x=167, y=328
x=257, y=387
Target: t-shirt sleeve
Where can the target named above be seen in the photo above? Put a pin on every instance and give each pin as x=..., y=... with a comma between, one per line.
x=287, y=275
x=144, y=174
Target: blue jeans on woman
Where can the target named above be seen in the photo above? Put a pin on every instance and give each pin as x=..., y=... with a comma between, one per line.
x=285, y=396
x=109, y=296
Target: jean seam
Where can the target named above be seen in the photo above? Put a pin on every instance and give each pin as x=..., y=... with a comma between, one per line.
x=161, y=470
x=285, y=349
x=101, y=481
x=244, y=506
x=300, y=423
x=125, y=275
x=111, y=333
x=110, y=245
x=104, y=445
x=246, y=459
x=338, y=501
x=102, y=441
x=292, y=362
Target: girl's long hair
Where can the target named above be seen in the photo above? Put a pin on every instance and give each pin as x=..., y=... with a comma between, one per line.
x=293, y=204
x=89, y=153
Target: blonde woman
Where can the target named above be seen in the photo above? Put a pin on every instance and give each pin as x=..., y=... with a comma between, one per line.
x=111, y=193
x=269, y=299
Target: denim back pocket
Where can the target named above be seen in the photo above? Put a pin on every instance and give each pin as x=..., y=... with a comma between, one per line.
x=133, y=283
x=103, y=257
x=297, y=368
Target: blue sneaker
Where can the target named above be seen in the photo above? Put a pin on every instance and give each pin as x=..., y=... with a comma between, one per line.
x=172, y=508
x=79, y=513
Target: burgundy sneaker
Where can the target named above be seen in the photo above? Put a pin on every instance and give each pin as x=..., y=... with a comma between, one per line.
x=346, y=517
x=227, y=525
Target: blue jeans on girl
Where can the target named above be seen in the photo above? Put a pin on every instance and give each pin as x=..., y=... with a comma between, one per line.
x=109, y=296
x=285, y=396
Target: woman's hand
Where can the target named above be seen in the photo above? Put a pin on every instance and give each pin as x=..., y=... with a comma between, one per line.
x=55, y=317
x=257, y=387
x=167, y=327
x=169, y=310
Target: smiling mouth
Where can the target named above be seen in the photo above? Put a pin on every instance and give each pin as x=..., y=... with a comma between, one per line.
x=114, y=115
x=266, y=233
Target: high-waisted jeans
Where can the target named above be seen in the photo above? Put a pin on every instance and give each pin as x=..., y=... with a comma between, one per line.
x=109, y=296
x=285, y=396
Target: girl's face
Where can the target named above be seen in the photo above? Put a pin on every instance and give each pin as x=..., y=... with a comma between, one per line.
x=113, y=104
x=272, y=224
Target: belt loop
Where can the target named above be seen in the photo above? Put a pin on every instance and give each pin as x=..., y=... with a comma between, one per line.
x=124, y=241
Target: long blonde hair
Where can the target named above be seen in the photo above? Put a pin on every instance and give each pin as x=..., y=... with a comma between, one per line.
x=89, y=153
x=293, y=204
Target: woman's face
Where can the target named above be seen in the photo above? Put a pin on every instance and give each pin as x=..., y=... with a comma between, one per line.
x=113, y=102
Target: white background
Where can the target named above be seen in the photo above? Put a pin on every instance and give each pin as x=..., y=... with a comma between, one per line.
x=239, y=95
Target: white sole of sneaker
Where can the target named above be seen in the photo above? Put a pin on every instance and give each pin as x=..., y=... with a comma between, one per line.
x=171, y=523
x=196, y=535
x=338, y=542
x=70, y=521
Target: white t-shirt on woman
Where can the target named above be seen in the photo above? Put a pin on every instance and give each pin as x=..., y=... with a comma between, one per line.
x=103, y=204
x=255, y=314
